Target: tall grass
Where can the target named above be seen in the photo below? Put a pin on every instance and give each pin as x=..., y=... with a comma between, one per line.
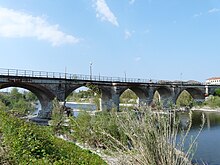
x=139, y=137
x=155, y=139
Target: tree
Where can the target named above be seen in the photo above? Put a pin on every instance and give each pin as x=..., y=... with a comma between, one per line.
x=128, y=96
x=184, y=99
x=30, y=96
x=217, y=92
x=19, y=103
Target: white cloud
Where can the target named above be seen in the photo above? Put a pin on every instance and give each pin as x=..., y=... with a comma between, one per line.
x=131, y=2
x=127, y=34
x=214, y=10
x=18, y=24
x=104, y=13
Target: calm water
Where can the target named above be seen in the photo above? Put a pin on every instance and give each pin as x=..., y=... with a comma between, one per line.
x=80, y=106
x=208, y=149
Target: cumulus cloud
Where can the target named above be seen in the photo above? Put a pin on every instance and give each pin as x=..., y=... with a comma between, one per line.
x=214, y=10
x=104, y=13
x=18, y=24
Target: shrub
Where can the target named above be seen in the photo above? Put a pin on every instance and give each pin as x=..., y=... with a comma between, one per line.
x=213, y=102
x=217, y=92
x=27, y=143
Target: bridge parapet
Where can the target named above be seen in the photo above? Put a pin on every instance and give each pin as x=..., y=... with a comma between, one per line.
x=44, y=74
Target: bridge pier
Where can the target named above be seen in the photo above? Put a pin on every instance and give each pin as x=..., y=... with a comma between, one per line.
x=46, y=111
x=143, y=102
x=110, y=99
x=168, y=102
x=108, y=105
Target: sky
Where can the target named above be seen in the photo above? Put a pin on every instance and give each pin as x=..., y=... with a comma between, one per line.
x=149, y=39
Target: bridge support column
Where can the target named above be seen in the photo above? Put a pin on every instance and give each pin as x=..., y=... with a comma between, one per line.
x=142, y=102
x=145, y=97
x=168, y=102
x=46, y=111
x=145, y=102
x=110, y=104
x=110, y=100
x=206, y=90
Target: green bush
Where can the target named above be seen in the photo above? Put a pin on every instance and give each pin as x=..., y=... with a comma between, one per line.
x=217, y=92
x=27, y=143
x=213, y=102
x=18, y=103
x=98, y=131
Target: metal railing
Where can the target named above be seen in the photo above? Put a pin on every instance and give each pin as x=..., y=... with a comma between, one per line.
x=44, y=74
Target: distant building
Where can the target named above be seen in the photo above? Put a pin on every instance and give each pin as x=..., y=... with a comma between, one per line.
x=213, y=81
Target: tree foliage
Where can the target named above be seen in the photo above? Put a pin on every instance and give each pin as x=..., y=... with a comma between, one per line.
x=19, y=103
x=217, y=92
x=212, y=101
x=128, y=96
x=184, y=99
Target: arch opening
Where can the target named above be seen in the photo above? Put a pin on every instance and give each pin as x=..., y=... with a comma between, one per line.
x=197, y=95
x=20, y=101
x=44, y=96
x=84, y=98
x=184, y=99
x=128, y=100
x=162, y=98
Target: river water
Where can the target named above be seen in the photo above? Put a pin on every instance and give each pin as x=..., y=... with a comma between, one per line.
x=208, y=149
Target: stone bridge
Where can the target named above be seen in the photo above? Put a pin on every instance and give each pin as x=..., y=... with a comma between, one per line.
x=49, y=85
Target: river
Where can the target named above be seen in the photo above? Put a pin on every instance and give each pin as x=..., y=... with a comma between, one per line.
x=208, y=149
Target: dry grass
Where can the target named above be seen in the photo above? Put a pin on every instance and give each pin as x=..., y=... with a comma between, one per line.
x=152, y=139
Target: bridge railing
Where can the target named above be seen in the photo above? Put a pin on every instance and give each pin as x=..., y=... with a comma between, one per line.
x=43, y=74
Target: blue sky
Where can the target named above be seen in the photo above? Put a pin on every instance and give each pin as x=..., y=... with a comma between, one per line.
x=152, y=39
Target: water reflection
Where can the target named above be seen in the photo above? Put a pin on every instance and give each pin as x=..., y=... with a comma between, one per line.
x=212, y=119
x=208, y=148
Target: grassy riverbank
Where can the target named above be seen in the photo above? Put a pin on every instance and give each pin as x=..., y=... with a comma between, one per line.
x=27, y=143
x=134, y=137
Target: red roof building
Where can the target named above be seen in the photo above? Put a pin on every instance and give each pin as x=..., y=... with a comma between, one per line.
x=213, y=81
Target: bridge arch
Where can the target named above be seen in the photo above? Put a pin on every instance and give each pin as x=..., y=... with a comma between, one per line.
x=141, y=93
x=165, y=95
x=43, y=94
x=196, y=93
x=103, y=93
x=128, y=99
x=184, y=98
